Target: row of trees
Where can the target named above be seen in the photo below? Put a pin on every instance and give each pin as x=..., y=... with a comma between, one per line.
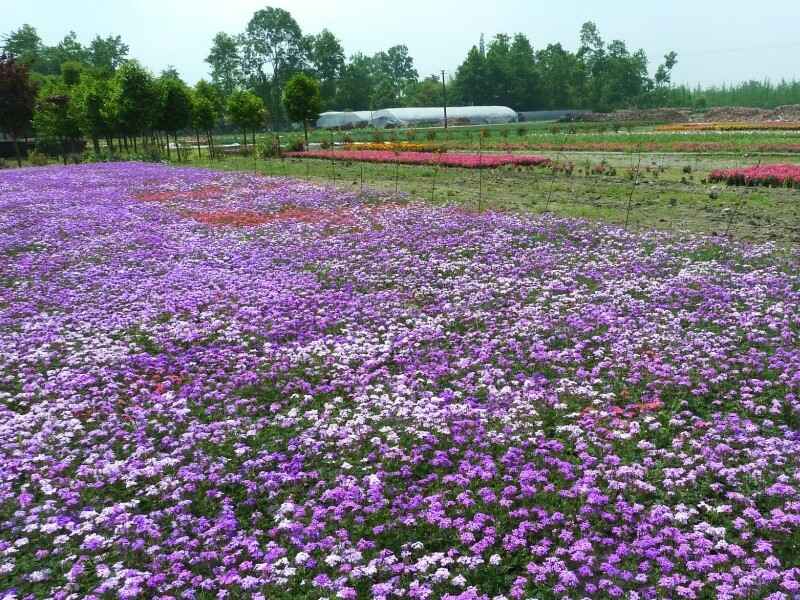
x=601, y=76
x=131, y=107
x=273, y=48
x=506, y=71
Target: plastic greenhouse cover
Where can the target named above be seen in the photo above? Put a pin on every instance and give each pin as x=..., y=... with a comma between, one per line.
x=467, y=115
x=330, y=120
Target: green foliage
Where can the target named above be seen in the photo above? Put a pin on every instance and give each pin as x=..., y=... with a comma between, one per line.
x=53, y=118
x=133, y=98
x=174, y=106
x=38, y=159
x=246, y=110
x=301, y=97
x=71, y=72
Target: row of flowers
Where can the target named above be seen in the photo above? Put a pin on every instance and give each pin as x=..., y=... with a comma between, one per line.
x=656, y=146
x=467, y=161
x=397, y=147
x=732, y=126
x=783, y=175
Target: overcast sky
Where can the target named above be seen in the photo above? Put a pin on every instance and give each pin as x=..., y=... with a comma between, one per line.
x=717, y=41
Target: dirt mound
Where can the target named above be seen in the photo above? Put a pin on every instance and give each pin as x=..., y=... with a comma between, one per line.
x=725, y=114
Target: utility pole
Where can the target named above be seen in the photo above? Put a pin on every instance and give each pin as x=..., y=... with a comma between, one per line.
x=444, y=99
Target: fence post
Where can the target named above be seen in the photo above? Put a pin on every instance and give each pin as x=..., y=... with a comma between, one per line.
x=480, y=170
x=633, y=188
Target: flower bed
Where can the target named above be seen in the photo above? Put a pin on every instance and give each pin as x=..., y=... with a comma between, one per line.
x=467, y=161
x=407, y=403
x=787, y=175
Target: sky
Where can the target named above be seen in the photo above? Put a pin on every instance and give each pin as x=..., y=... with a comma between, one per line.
x=717, y=41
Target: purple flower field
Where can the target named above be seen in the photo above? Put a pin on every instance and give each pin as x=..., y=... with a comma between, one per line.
x=215, y=385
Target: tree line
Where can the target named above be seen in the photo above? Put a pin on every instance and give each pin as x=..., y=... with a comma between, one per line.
x=127, y=108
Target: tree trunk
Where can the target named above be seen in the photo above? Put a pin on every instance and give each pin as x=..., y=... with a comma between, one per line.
x=125, y=139
x=110, y=143
x=96, y=144
x=197, y=136
x=254, y=140
x=169, y=155
x=16, y=150
x=177, y=147
x=211, y=150
x=64, y=151
x=305, y=131
x=135, y=149
x=244, y=134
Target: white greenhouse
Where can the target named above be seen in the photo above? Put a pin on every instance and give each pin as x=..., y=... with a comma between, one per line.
x=417, y=117
x=344, y=119
x=434, y=116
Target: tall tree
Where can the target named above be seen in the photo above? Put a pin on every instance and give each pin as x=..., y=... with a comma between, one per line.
x=301, y=97
x=106, y=54
x=24, y=44
x=470, y=81
x=524, y=90
x=246, y=110
x=17, y=99
x=226, y=63
x=274, y=49
x=53, y=120
x=327, y=60
x=394, y=71
x=174, y=108
x=498, y=70
x=134, y=97
x=355, y=85
x=88, y=103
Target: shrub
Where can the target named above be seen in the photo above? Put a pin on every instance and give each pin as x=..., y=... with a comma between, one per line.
x=504, y=133
x=271, y=148
x=326, y=144
x=431, y=135
x=521, y=131
x=37, y=159
x=347, y=139
x=377, y=136
x=296, y=145
x=411, y=134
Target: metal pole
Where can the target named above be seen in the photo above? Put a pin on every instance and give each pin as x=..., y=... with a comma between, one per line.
x=480, y=170
x=444, y=99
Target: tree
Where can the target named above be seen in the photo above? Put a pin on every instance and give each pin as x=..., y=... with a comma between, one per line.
x=134, y=98
x=107, y=54
x=17, y=99
x=301, y=97
x=470, y=81
x=561, y=76
x=213, y=94
x=274, y=50
x=24, y=44
x=53, y=119
x=204, y=117
x=246, y=110
x=427, y=92
x=327, y=60
x=174, y=108
x=88, y=106
x=355, y=85
x=524, y=84
x=71, y=72
x=394, y=72
x=226, y=63
x=498, y=70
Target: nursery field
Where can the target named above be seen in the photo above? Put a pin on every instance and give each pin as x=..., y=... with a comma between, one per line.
x=663, y=191
x=223, y=385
